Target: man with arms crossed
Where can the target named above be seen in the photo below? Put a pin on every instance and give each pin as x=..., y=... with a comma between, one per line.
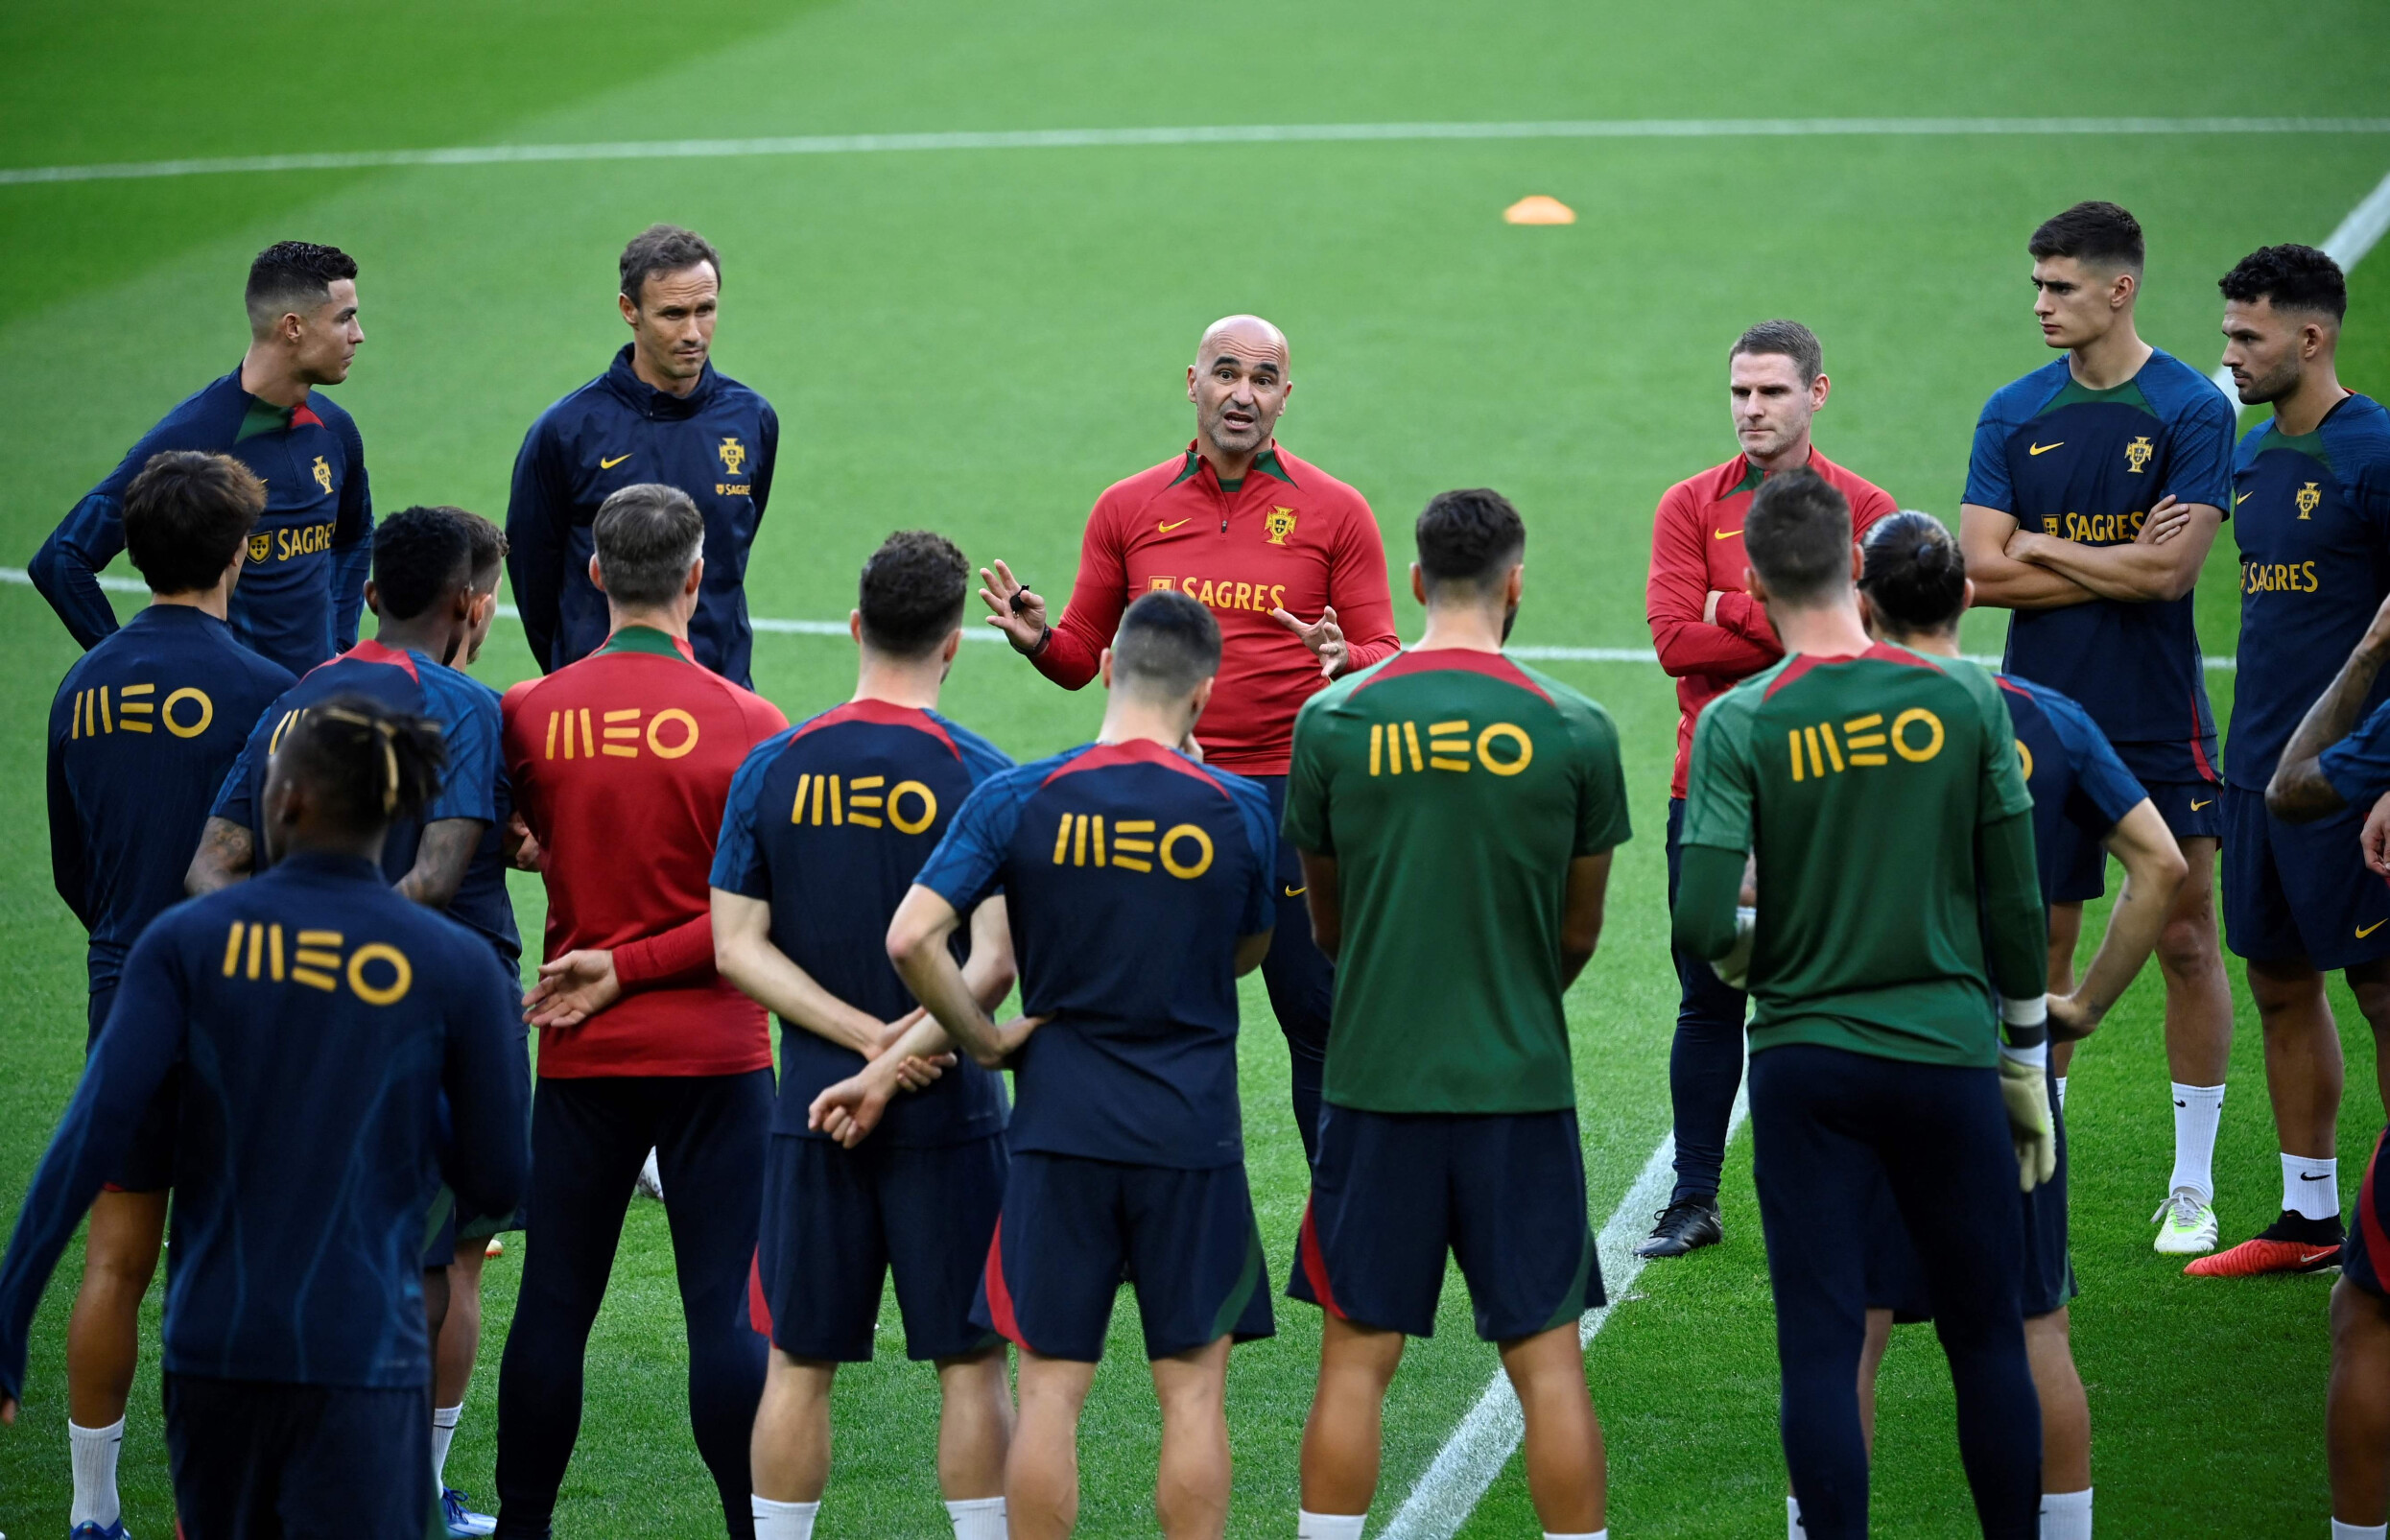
x=299, y=598
x=1882, y=794
x=2311, y=496
x=622, y=765
x=1261, y=538
x=2077, y=468
x=143, y=729
x=1710, y=634
x=826, y=826
x=343, y=1053
x=1137, y=883
x=662, y=412
x=1462, y=890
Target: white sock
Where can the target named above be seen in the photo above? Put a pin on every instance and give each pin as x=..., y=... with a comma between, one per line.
x=1793, y=1520
x=2311, y=1187
x=784, y=1520
x=2359, y=1532
x=2066, y=1515
x=1310, y=1525
x=444, y=1420
x=94, y=1452
x=974, y=1518
x=2060, y=1081
x=2197, y=1110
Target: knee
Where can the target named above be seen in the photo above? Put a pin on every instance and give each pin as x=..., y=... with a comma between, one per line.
x=2187, y=944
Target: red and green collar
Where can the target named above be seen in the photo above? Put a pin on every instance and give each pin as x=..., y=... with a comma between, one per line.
x=640, y=637
x=1267, y=462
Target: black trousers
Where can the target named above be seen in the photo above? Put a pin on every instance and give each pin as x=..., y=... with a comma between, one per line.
x=254, y=1460
x=1705, y=1061
x=589, y=1138
x=1302, y=982
x=1828, y=1125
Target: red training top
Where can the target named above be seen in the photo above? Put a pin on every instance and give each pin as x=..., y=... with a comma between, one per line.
x=1288, y=536
x=620, y=764
x=1697, y=547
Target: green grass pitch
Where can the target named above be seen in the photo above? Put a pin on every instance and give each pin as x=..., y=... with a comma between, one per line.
x=978, y=340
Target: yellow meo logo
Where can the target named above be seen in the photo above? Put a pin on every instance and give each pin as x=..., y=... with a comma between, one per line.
x=863, y=800
x=670, y=734
x=1185, y=850
x=376, y=973
x=2310, y=496
x=1500, y=748
x=1915, y=735
x=136, y=708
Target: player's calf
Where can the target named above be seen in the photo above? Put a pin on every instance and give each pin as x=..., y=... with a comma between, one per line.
x=1567, y=1472
x=1041, y=1474
x=1190, y=1486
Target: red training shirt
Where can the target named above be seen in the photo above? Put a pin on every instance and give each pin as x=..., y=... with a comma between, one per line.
x=1697, y=547
x=1289, y=536
x=620, y=764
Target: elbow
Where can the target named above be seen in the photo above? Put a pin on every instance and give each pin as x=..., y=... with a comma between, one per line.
x=988, y=1056
x=2301, y=795
x=43, y=568
x=728, y=955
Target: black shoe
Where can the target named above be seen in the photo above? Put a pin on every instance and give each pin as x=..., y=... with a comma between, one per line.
x=1687, y=1224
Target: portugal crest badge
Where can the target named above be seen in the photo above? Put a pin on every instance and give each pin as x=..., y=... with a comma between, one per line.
x=323, y=476
x=2137, y=455
x=2310, y=496
x=733, y=455
x=1280, y=524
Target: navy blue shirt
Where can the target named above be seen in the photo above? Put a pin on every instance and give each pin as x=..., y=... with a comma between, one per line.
x=2088, y=465
x=829, y=821
x=1128, y=873
x=317, y=1022
x=717, y=444
x=2074, y=773
x=2312, y=513
x=141, y=734
x=472, y=786
x=304, y=582
x=2358, y=766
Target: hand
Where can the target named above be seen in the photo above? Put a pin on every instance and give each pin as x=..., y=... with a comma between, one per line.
x=2024, y=1091
x=893, y=1032
x=851, y=1109
x=2374, y=842
x=1326, y=639
x=573, y=988
x=1709, y=608
x=1733, y=969
x=2162, y=523
x=1016, y=1031
x=7, y=1409
x=2023, y=545
x=522, y=845
x=1019, y=614
x=2072, y=1018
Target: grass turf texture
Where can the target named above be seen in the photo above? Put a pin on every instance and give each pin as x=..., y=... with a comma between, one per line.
x=979, y=342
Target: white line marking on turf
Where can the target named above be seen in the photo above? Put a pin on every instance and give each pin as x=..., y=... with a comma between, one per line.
x=1449, y=1490
x=973, y=633
x=851, y=143
x=2347, y=245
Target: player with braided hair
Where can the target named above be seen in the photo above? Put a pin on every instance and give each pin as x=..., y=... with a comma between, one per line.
x=320, y=1020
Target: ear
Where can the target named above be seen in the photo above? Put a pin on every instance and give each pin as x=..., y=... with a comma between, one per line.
x=1752, y=585
x=597, y=576
x=953, y=644
x=1967, y=595
x=1103, y=663
x=230, y=578
x=1819, y=389
x=1514, y=585
x=1858, y=563
x=2121, y=289
x=630, y=312
x=1418, y=584
x=855, y=626
x=1203, y=694
x=1190, y=379
x=374, y=597
x=696, y=579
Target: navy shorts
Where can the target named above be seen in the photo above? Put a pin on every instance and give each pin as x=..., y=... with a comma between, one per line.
x=2300, y=891
x=2365, y=1254
x=1393, y=1191
x=837, y=1222
x=1074, y=1229
x=2193, y=809
x=252, y=1458
x=148, y=1165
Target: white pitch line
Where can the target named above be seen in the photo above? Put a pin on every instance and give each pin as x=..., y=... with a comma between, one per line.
x=852, y=144
x=1456, y=1481
x=2347, y=245
x=976, y=633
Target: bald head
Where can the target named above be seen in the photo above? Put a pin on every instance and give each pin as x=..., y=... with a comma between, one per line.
x=1239, y=383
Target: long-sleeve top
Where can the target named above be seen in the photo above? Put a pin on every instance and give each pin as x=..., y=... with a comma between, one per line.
x=1697, y=550
x=717, y=443
x=317, y=1024
x=1287, y=536
x=304, y=582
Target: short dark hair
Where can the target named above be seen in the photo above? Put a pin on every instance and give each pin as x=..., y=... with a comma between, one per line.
x=1915, y=578
x=419, y=555
x=1471, y=535
x=1168, y=643
x=912, y=593
x=664, y=249
x=2102, y=234
x=2294, y=277
x=1798, y=536
x=489, y=542
x=185, y=517
x=1787, y=338
x=370, y=764
x=648, y=535
x=293, y=275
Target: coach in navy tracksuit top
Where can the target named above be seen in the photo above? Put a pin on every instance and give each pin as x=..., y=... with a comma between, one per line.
x=716, y=442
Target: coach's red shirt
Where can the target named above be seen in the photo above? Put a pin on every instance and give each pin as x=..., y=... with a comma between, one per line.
x=1697, y=547
x=1289, y=536
x=621, y=765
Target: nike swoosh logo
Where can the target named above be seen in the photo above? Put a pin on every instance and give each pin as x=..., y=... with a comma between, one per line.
x=2313, y=1176
x=2365, y=931
x=1726, y=534
x=1296, y=892
x=2315, y=1254
x=1167, y=528
x=610, y=465
x=2044, y=449
x=2242, y=497
x=2196, y=806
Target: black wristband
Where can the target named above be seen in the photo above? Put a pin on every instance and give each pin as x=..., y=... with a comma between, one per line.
x=1043, y=637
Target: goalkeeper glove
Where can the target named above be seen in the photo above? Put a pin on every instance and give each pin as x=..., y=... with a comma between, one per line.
x=1733, y=969
x=2024, y=1091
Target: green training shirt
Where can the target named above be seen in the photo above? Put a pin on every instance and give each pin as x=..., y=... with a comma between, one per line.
x=1454, y=788
x=1861, y=784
